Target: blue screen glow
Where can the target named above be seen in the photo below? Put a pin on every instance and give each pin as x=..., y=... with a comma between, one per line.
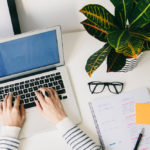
x=28, y=53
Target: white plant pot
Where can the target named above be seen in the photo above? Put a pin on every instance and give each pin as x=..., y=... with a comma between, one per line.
x=131, y=63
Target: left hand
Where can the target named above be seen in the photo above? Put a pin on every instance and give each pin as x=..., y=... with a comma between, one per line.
x=12, y=115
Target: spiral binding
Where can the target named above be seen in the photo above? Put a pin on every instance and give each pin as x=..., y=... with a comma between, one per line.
x=97, y=127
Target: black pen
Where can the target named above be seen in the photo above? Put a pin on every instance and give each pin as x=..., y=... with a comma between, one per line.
x=139, y=139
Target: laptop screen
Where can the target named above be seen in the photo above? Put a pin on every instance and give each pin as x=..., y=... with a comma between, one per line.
x=28, y=53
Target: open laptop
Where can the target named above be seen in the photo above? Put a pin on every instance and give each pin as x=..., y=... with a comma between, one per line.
x=32, y=60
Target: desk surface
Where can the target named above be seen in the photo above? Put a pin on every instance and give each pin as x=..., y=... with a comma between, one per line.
x=78, y=46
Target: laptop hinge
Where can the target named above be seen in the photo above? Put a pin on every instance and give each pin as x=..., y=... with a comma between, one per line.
x=27, y=75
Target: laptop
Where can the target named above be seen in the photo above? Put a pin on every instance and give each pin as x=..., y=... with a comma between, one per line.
x=32, y=60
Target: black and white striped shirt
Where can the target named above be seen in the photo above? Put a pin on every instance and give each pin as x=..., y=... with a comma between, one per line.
x=72, y=135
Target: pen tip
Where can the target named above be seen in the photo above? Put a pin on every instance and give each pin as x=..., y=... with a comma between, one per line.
x=142, y=132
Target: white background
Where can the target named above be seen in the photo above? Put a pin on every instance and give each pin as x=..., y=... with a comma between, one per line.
x=35, y=14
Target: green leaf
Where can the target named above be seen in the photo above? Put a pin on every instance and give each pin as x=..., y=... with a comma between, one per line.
x=115, y=61
x=140, y=15
x=133, y=48
x=122, y=11
x=118, y=38
x=145, y=35
x=146, y=46
x=99, y=15
x=97, y=59
x=93, y=29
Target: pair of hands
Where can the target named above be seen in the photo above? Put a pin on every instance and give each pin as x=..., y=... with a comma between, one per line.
x=50, y=107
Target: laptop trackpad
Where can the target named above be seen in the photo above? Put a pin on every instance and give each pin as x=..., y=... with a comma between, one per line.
x=34, y=124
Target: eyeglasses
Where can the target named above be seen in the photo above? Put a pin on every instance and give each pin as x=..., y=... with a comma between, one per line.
x=98, y=87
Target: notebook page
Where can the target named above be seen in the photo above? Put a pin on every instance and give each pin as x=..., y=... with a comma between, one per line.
x=116, y=120
x=5, y=20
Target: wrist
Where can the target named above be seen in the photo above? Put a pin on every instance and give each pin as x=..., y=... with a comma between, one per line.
x=10, y=131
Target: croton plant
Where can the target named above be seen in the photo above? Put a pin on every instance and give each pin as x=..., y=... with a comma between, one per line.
x=126, y=34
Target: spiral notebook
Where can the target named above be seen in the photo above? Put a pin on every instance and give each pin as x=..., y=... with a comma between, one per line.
x=114, y=119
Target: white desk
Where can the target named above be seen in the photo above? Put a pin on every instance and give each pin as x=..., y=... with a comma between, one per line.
x=78, y=47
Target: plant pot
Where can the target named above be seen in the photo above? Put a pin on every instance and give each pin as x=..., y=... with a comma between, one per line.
x=131, y=63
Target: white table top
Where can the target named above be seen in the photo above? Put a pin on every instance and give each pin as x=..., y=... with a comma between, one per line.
x=78, y=46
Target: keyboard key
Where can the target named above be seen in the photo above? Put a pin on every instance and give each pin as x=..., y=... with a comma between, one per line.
x=6, y=90
x=37, y=79
x=22, y=96
x=47, y=76
x=20, y=92
x=36, y=83
x=11, y=89
x=26, y=101
x=32, y=94
x=16, y=88
x=45, y=85
x=27, y=81
x=57, y=87
x=26, y=85
x=64, y=97
x=35, y=88
x=51, y=79
x=1, y=97
x=46, y=80
x=21, y=82
x=30, y=89
x=25, y=91
x=52, y=74
x=15, y=93
x=1, y=92
x=42, y=77
x=58, y=73
x=32, y=80
x=58, y=78
x=41, y=81
x=22, y=87
x=16, y=84
x=61, y=91
x=55, y=83
x=21, y=102
x=31, y=99
x=28, y=95
x=31, y=84
x=50, y=84
x=29, y=105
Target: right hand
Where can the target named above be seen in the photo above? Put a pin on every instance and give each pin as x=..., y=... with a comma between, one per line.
x=50, y=107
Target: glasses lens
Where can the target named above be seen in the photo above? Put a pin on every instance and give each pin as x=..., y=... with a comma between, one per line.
x=96, y=87
x=116, y=88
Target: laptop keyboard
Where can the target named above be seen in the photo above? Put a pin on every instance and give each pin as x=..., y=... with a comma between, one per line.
x=26, y=88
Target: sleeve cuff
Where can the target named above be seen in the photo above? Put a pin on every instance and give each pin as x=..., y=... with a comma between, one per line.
x=10, y=131
x=64, y=125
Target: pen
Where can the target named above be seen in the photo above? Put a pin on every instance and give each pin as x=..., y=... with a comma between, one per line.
x=139, y=139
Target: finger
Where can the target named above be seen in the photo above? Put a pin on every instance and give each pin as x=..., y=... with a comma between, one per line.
x=17, y=102
x=55, y=93
x=9, y=101
x=39, y=107
x=49, y=94
x=1, y=107
x=40, y=98
x=5, y=103
x=22, y=112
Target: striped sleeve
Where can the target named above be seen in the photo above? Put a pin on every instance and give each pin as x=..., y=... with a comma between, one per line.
x=8, y=139
x=75, y=137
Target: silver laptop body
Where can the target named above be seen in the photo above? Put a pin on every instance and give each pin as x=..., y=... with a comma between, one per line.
x=34, y=58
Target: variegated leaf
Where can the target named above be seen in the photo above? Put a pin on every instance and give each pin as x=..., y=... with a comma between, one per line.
x=97, y=59
x=140, y=15
x=118, y=38
x=115, y=61
x=122, y=11
x=133, y=48
x=146, y=46
x=94, y=29
x=99, y=15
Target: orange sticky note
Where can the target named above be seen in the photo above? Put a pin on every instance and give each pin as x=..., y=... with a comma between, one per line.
x=142, y=113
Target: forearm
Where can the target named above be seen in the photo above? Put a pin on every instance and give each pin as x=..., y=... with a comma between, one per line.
x=75, y=137
x=9, y=138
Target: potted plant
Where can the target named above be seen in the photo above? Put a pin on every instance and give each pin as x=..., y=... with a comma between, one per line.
x=126, y=34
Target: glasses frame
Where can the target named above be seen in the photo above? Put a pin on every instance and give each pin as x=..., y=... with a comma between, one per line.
x=96, y=83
